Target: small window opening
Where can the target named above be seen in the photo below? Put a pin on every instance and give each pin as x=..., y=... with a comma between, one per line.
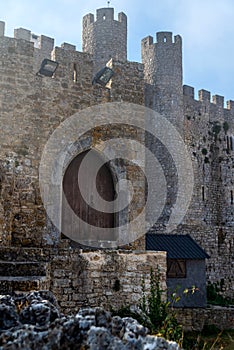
x=231, y=197
x=228, y=145
x=104, y=17
x=203, y=193
x=165, y=39
x=231, y=143
x=176, y=268
x=75, y=75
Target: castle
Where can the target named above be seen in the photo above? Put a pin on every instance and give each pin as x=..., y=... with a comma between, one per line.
x=33, y=106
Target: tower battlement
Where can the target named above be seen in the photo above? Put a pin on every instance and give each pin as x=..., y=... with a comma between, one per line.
x=166, y=37
x=163, y=59
x=161, y=38
x=106, y=37
x=163, y=70
x=104, y=14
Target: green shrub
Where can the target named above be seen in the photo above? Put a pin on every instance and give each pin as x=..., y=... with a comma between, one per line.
x=214, y=296
x=225, y=127
x=216, y=128
x=155, y=313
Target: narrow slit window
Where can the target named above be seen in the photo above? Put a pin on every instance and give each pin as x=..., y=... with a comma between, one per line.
x=203, y=193
x=228, y=145
x=75, y=75
x=231, y=197
x=104, y=17
x=231, y=143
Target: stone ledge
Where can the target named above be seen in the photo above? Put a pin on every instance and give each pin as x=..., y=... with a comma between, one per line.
x=195, y=319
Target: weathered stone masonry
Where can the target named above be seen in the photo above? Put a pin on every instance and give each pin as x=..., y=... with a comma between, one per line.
x=105, y=38
x=80, y=278
x=32, y=107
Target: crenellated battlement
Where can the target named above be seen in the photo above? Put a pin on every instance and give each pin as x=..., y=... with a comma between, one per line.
x=162, y=38
x=104, y=14
x=41, y=42
x=74, y=67
x=2, y=28
x=230, y=105
x=166, y=38
x=205, y=97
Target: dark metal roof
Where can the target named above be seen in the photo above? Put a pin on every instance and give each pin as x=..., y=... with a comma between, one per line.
x=176, y=246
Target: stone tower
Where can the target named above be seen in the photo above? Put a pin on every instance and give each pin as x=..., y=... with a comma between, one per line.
x=164, y=94
x=105, y=38
x=163, y=76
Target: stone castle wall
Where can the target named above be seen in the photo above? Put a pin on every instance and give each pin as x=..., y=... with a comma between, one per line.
x=107, y=279
x=209, y=131
x=33, y=106
x=77, y=277
x=196, y=319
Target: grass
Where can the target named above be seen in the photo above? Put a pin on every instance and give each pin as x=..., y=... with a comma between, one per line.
x=218, y=340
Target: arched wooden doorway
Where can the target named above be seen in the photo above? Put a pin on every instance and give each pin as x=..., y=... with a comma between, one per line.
x=105, y=188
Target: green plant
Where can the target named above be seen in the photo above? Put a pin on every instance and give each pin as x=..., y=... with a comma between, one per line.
x=171, y=329
x=225, y=127
x=199, y=341
x=154, y=312
x=153, y=305
x=162, y=318
x=214, y=295
x=216, y=128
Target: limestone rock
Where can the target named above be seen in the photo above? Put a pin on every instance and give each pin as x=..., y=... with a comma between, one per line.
x=33, y=321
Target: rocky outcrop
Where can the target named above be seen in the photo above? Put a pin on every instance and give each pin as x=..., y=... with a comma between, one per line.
x=33, y=321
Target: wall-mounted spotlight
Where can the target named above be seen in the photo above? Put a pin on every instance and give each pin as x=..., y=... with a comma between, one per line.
x=48, y=67
x=103, y=76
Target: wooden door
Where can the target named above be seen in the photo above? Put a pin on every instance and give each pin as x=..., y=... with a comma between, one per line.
x=105, y=188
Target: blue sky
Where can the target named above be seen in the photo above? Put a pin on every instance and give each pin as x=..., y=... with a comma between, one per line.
x=206, y=26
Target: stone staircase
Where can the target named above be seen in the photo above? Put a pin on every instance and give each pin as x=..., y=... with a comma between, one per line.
x=23, y=270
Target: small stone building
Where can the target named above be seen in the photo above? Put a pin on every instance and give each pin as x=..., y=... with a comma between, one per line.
x=186, y=267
